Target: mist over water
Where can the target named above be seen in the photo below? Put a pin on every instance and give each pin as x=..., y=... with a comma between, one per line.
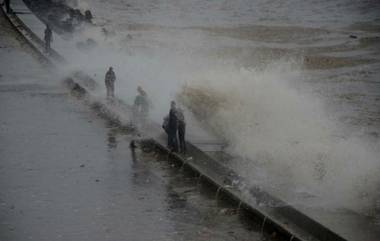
x=288, y=143
x=291, y=142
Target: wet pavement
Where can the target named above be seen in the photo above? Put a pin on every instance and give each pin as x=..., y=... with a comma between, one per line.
x=67, y=174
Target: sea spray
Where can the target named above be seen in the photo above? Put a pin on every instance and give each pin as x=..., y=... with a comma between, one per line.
x=288, y=142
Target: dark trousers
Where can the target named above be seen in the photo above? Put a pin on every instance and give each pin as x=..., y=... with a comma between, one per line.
x=7, y=6
x=172, y=140
x=181, y=137
x=47, y=45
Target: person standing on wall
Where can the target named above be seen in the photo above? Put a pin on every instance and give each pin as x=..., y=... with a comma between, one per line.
x=109, y=80
x=141, y=106
x=172, y=128
x=181, y=130
x=48, y=38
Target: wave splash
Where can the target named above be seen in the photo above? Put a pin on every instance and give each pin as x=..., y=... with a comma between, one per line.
x=288, y=142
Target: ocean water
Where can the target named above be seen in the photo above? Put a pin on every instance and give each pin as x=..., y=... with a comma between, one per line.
x=309, y=13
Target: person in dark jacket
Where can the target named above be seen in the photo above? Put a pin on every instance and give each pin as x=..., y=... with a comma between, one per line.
x=109, y=80
x=48, y=38
x=181, y=130
x=172, y=128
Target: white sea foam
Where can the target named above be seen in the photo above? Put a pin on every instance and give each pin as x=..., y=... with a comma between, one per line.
x=288, y=142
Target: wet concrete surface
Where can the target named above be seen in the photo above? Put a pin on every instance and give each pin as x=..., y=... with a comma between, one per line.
x=66, y=174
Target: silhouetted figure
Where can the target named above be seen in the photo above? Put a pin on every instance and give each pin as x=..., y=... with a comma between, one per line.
x=78, y=15
x=8, y=5
x=48, y=38
x=133, y=146
x=172, y=128
x=181, y=130
x=141, y=105
x=88, y=16
x=109, y=80
x=71, y=15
